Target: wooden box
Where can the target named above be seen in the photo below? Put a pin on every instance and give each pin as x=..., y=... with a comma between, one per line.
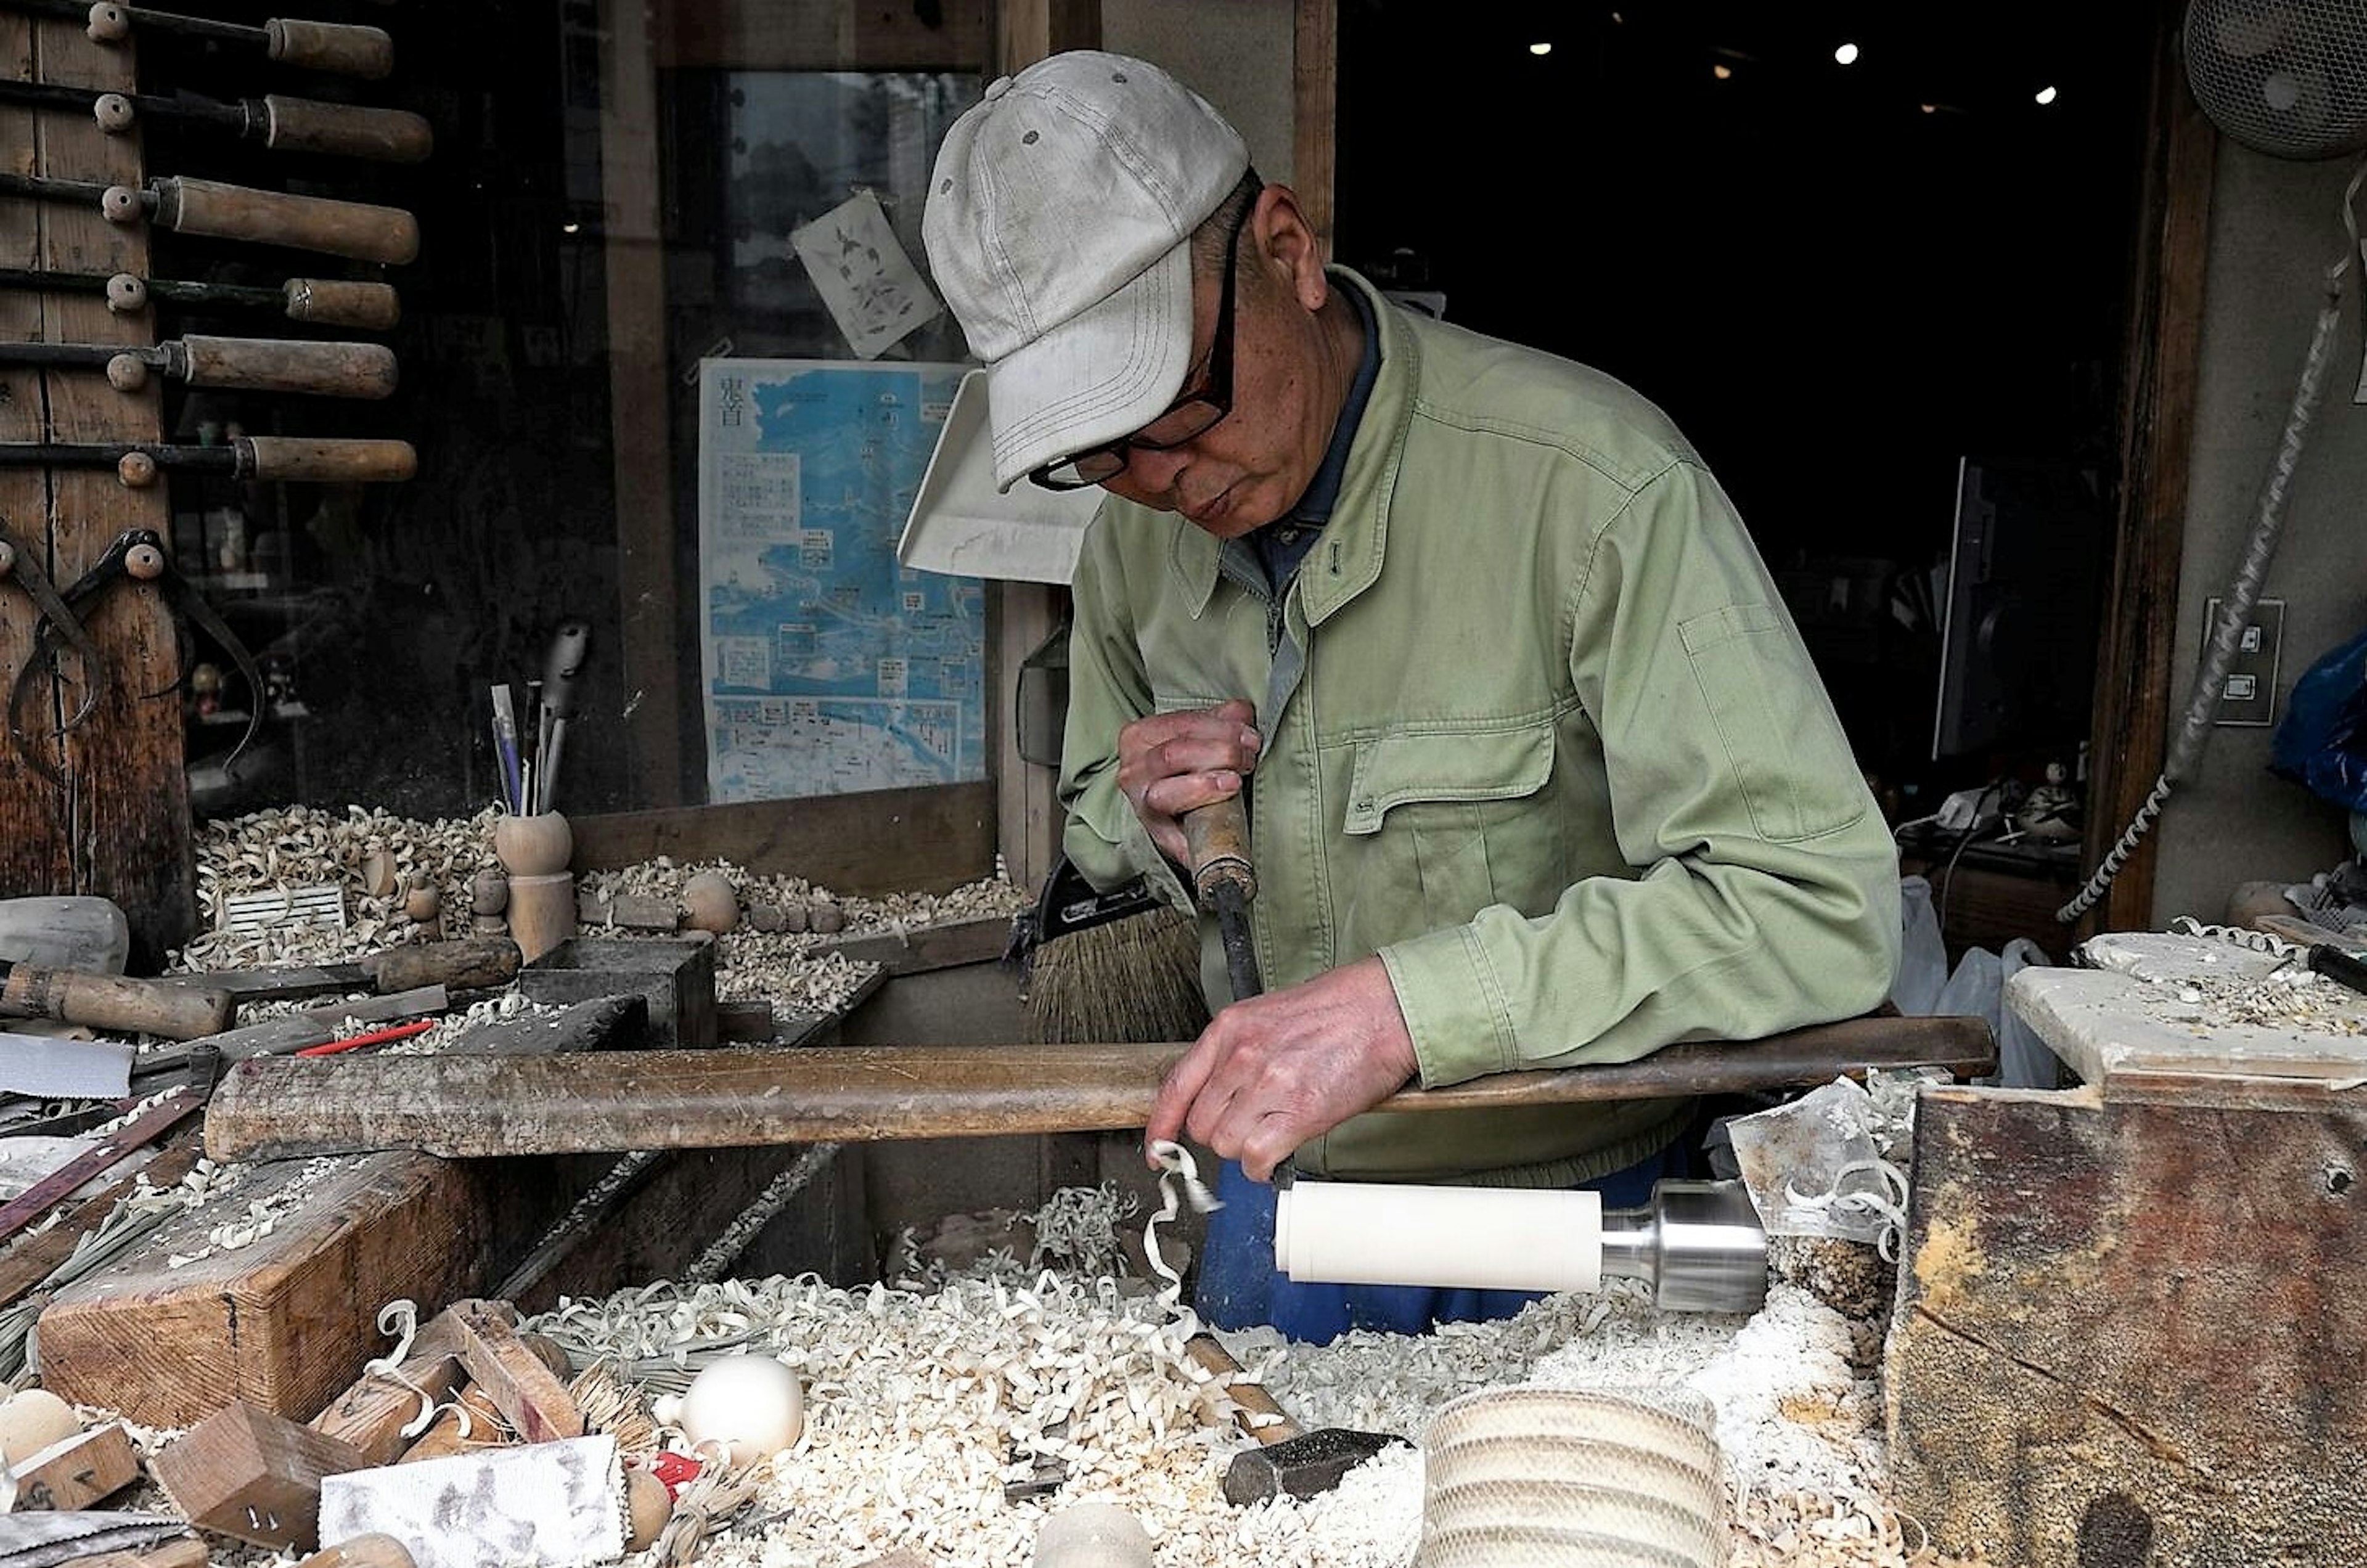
x=676, y=975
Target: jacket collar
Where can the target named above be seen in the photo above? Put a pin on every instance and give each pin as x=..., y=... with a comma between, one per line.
x=1347, y=559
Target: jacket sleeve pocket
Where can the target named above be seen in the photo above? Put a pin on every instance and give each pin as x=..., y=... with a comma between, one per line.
x=1783, y=740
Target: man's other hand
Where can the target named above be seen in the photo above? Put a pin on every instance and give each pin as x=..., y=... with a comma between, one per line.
x=1270, y=1073
x=1170, y=762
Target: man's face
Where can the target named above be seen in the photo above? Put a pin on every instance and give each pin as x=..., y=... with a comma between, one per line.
x=1249, y=467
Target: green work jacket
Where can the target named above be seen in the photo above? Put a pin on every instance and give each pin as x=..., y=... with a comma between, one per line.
x=1537, y=731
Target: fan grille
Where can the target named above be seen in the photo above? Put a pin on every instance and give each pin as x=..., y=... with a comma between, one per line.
x=2285, y=77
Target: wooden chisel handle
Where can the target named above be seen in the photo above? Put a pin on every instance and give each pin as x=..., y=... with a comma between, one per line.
x=475, y=964
x=276, y=364
x=330, y=460
x=111, y=1002
x=331, y=302
x=302, y=125
x=339, y=48
x=1259, y=1416
x=272, y=217
x=1217, y=836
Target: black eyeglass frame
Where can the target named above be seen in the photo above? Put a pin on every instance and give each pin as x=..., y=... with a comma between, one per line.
x=1108, y=461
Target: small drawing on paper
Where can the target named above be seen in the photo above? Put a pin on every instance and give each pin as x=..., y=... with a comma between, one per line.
x=874, y=291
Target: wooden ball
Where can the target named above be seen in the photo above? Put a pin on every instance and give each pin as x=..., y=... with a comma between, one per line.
x=651, y=1504
x=107, y=24
x=709, y=903
x=827, y=917
x=127, y=294
x=539, y=845
x=113, y=112
x=137, y=470
x=122, y=204
x=424, y=904
x=31, y=1420
x=126, y=373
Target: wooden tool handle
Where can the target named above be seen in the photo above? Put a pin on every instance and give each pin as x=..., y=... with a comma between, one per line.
x=479, y=964
x=1219, y=838
x=387, y=136
x=274, y=218
x=332, y=460
x=110, y=1001
x=335, y=47
x=277, y=365
x=330, y=303
x=1258, y=1416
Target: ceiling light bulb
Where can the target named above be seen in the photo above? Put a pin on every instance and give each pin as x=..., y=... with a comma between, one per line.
x=1721, y=71
x=1540, y=49
x=2046, y=95
x=1930, y=108
x=569, y=228
x=1846, y=54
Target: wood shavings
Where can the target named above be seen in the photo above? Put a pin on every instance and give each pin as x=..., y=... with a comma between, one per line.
x=300, y=846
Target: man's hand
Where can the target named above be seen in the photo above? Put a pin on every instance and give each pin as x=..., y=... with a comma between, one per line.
x=1170, y=762
x=1275, y=1071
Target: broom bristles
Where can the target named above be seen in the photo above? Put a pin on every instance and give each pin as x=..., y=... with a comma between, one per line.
x=1136, y=979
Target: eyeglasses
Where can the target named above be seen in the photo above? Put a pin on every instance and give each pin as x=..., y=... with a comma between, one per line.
x=1186, y=419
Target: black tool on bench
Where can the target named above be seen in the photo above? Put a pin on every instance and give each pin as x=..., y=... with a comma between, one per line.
x=138, y=555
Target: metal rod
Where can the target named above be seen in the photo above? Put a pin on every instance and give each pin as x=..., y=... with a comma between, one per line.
x=172, y=289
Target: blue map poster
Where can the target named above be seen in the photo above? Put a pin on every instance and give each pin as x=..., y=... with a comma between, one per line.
x=829, y=667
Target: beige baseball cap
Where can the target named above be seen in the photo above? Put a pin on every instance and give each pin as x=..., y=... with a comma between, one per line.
x=1058, y=228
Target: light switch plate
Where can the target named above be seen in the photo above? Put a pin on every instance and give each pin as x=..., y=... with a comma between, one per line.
x=2248, y=700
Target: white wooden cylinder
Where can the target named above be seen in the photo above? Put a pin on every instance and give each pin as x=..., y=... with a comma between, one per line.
x=1092, y=1535
x=1486, y=1238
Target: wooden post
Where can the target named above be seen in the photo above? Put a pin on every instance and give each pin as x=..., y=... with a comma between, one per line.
x=641, y=394
x=2136, y=651
x=1315, y=91
x=120, y=827
x=2128, y=1324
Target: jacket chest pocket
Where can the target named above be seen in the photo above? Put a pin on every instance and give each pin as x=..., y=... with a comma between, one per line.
x=1453, y=822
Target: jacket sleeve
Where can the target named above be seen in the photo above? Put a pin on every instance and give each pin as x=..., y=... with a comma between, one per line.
x=1108, y=689
x=1766, y=888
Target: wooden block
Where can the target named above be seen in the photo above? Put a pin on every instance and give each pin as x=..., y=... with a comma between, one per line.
x=677, y=976
x=2127, y=1330
x=371, y=1414
x=528, y=1395
x=638, y=912
x=79, y=1472
x=282, y=1323
x=246, y=1472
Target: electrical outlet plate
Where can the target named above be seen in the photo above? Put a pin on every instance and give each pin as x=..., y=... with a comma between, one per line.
x=2248, y=700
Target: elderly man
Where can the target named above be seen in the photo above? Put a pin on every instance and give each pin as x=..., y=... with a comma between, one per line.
x=1539, y=771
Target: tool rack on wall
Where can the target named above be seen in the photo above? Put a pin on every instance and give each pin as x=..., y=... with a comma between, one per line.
x=103, y=805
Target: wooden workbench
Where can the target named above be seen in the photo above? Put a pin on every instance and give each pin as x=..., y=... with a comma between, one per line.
x=2129, y=1314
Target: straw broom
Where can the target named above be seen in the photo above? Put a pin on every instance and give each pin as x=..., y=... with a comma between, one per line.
x=1108, y=967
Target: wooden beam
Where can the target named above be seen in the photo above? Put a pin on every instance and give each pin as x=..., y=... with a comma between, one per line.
x=726, y=1098
x=1030, y=30
x=1314, y=111
x=2126, y=1332
x=2136, y=652
x=640, y=393
x=926, y=840
x=806, y=35
x=282, y=1323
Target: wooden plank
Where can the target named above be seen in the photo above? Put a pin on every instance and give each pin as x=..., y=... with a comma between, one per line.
x=79, y=1473
x=727, y=1097
x=370, y=1415
x=526, y=1391
x=36, y=829
x=2126, y=1333
x=1315, y=94
x=2135, y=653
x=981, y=940
x=640, y=394
x=281, y=1322
x=1028, y=31
x=127, y=786
x=877, y=841
x=249, y=1473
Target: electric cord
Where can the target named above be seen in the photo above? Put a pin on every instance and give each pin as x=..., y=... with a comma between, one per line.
x=2251, y=574
x=1971, y=830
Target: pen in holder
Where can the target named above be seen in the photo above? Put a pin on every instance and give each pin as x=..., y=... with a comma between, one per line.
x=536, y=851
